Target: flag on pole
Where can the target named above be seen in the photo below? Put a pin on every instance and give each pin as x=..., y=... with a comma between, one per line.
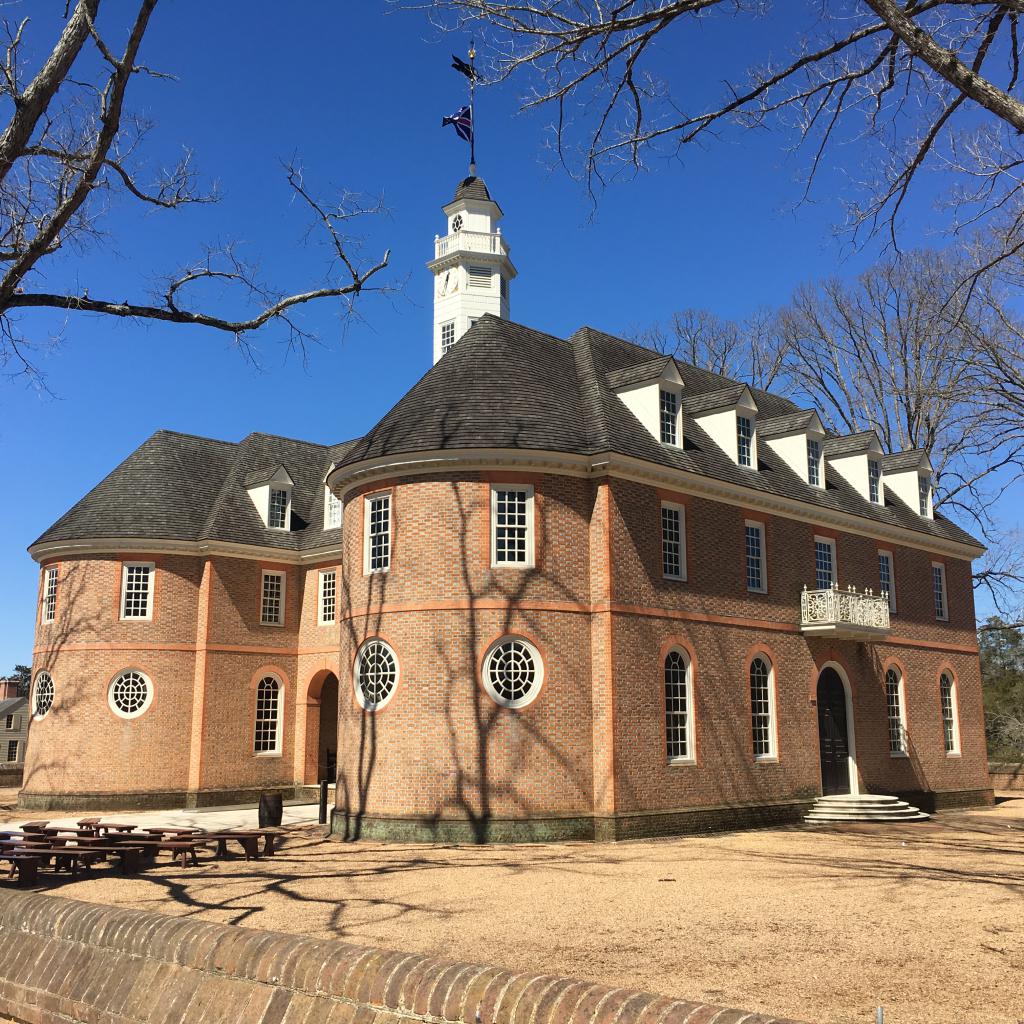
x=462, y=122
x=463, y=68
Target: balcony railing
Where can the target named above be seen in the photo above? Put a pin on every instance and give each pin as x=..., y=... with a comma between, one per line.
x=845, y=613
x=470, y=241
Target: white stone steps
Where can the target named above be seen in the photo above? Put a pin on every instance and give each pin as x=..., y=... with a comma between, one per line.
x=869, y=807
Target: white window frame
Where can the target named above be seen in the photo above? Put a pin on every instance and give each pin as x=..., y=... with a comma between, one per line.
x=16, y=744
x=278, y=718
x=321, y=575
x=751, y=442
x=690, y=757
x=673, y=422
x=364, y=702
x=34, y=695
x=282, y=613
x=901, y=707
x=287, y=492
x=944, y=617
x=754, y=524
x=446, y=346
x=681, y=510
x=49, y=594
x=538, y=672
x=150, y=586
x=877, y=481
x=334, y=507
x=531, y=537
x=368, y=501
x=818, y=463
x=888, y=555
x=954, y=704
x=149, y=694
x=831, y=542
x=773, y=722
x=926, y=480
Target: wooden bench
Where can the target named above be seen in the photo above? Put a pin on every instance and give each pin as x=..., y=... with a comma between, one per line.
x=26, y=865
x=185, y=849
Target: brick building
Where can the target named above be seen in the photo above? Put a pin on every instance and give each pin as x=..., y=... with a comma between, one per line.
x=564, y=588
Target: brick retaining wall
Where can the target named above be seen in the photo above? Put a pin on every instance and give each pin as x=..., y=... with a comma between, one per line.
x=63, y=961
x=1007, y=776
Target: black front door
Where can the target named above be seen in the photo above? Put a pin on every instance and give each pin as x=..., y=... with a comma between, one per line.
x=833, y=738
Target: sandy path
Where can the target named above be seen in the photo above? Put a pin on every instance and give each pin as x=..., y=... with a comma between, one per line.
x=925, y=920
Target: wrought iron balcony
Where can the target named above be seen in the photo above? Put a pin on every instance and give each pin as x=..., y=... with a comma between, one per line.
x=470, y=241
x=844, y=613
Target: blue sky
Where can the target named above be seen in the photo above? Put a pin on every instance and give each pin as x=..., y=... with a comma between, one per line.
x=357, y=94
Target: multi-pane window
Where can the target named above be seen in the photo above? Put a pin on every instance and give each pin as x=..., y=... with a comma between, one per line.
x=745, y=440
x=277, y=514
x=137, y=590
x=513, y=672
x=130, y=693
x=756, y=575
x=896, y=712
x=824, y=563
x=762, y=707
x=43, y=695
x=10, y=722
x=332, y=511
x=669, y=410
x=924, y=494
x=673, y=542
x=328, y=595
x=50, y=594
x=886, y=578
x=875, y=481
x=268, y=716
x=272, y=604
x=939, y=590
x=447, y=335
x=950, y=725
x=376, y=674
x=678, y=707
x=814, y=462
x=512, y=525
x=378, y=533
x=12, y=750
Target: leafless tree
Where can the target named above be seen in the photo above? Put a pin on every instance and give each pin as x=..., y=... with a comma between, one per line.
x=925, y=84
x=70, y=144
x=752, y=350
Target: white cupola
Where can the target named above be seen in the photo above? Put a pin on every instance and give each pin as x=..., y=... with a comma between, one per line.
x=471, y=265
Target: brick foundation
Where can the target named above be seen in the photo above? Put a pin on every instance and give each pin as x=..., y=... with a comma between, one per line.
x=81, y=963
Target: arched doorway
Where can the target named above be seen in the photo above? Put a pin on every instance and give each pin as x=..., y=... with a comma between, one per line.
x=834, y=734
x=322, y=729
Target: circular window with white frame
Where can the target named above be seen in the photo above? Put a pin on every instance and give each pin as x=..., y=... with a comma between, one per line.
x=42, y=695
x=513, y=672
x=376, y=674
x=130, y=694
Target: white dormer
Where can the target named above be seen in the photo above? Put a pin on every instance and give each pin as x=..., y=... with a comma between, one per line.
x=857, y=458
x=909, y=475
x=797, y=439
x=271, y=493
x=653, y=392
x=729, y=417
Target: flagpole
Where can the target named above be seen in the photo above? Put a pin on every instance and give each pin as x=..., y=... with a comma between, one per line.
x=472, y=110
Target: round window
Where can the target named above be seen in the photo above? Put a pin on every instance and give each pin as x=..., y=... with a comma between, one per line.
x=513, y=672
x=376, y=674
x=43, y=696
x=456, y=223
x=130, y=694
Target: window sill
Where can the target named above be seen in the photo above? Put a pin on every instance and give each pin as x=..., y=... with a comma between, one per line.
x=761, y=592
x=953, y=753
x=899, y=755
x=767, y=759
x=376, y=572
x=135, y=618
x=333, y=622
x=682, y=762
x=674, y=579
x=266, y=753
x=276, y=625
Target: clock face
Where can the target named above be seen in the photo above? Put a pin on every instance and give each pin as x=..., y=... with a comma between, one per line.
x=457, y=223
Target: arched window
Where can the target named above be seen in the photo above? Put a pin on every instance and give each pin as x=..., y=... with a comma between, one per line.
x=130, y=694
x=678, y=707
x=268, y=716
x=513, y=672
x=42, y=696
x=897, y=712
x=376, y=674
x=950, y=713
x=762, y=707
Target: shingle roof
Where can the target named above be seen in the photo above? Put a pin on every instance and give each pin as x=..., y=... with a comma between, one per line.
x=849, y=444
x=501, y=386
x=472, y=188
x=653, y=369
x=777, y=426
x=904, y=460
x=722, y=398
x=12, y=705
x=265, y=475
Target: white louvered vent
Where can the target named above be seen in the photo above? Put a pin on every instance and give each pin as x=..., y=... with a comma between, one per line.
x=479, y=277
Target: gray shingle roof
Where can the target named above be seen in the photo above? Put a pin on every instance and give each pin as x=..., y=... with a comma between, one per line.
x=777, y=426
x=637, y=374
x=501, y=386
x=722, y=398
x=472, y=188
x=849, y=444
x=904, y=460
x=12, y=705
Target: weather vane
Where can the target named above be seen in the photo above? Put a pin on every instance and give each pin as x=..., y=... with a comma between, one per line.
x=462, y=120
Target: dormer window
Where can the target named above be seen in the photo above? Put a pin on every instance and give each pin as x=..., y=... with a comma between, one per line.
x=924, y=494
x=277, y=512
x=874, y=481
x=744, y=440
x=814, y=462
x=332, y=510
x=669, y=417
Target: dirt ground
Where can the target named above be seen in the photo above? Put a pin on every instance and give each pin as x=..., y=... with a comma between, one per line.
x=823, y=925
